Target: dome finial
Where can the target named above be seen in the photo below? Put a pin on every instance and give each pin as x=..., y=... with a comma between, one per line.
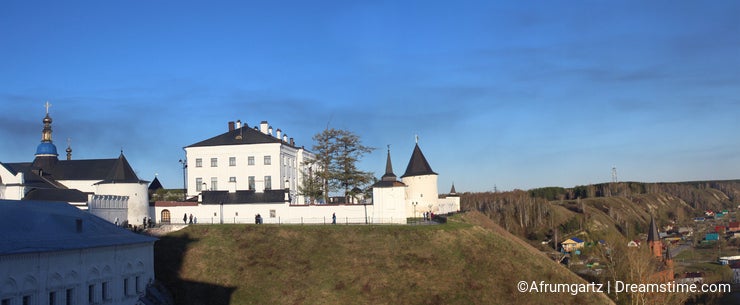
x=69, y=149
x=46, y=132
x=46, y=148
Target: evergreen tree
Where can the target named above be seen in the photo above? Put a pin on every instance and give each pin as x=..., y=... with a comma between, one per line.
x=312, y=186
x=337, y=153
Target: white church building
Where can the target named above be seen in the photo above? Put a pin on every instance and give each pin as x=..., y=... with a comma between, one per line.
x=54, y=253
x=248, y=171
x=108, y=188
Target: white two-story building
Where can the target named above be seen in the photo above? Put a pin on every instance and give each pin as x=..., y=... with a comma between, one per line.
x=246, y=159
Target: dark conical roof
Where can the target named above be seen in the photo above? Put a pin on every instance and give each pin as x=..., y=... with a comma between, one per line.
x=155, y=185
x=389, y=179
x=121, y=172
x=418, y=165
x=389, y=175
x=653, y=231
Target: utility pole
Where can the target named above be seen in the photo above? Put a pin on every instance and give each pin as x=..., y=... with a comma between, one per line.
x=184, y=164
x=614, y=174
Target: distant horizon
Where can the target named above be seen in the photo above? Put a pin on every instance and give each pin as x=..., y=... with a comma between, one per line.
x=509, y=95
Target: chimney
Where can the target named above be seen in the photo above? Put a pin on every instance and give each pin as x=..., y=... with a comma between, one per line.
x=238, y=124
x=279, y=133
x=231, y=125
x=292, y=142
x=269, y=130
x=78, y=225
x=285, y=138
x=263, y=127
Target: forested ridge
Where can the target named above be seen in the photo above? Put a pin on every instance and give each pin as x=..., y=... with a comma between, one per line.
x=625, y=206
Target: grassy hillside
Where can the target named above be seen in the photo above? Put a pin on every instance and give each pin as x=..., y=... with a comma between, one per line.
x=470, y=260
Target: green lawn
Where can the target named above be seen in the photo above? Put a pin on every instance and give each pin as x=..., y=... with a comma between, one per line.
x=455, y=263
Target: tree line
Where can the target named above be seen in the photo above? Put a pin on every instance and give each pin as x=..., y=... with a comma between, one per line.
x=699, y=194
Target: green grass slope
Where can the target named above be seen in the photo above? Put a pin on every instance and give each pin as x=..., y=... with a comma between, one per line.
x=470, y=260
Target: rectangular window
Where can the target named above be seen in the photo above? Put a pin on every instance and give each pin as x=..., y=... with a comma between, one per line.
x=125, y=287
x=251, y=183
x=106, y=293
x=232, y=179
x=272, y=213
x=214, y=184
x=199, y=162
x=138, y=284
x=268, y=160
x=250, y=160
x=268, y=182
x=52, y=298
x=198, y=184
x=91, y=294
x=214, y=162
x=232, y=161
x=26, y=300
x=5, y=302
x=69, y=296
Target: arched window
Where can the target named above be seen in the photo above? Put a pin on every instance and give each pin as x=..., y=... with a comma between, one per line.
x=165, y=218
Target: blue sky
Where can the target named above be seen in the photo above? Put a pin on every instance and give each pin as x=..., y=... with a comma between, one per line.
x=512, y=94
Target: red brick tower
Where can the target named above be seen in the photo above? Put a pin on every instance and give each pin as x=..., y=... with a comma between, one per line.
x=653, y=239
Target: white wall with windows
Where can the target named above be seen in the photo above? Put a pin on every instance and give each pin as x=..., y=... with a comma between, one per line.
x=245, y=167
x=88, y=260
x=110, y=275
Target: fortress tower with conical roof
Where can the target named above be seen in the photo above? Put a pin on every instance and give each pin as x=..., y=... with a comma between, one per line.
x=387, y=194
x=415, y=194
x=421, y=184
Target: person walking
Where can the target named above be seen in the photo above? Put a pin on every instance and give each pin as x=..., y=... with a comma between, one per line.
x=333, y=218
